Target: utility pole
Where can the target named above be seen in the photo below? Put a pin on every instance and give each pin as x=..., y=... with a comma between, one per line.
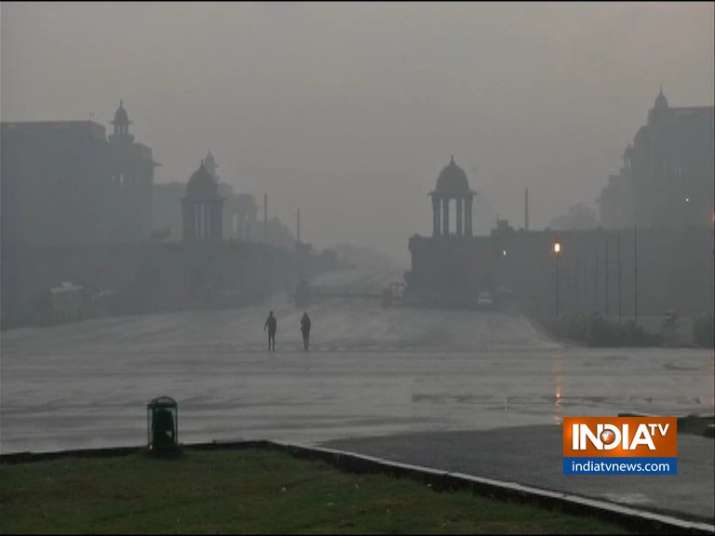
x=618, y=254
x=584, y=283
x=297, y=225
x=526, y=210
x=606, y=290
x=635, y=272
x=595, y=281
x=265, y=218
x=557, y=286
x=557, y=254
x=576, y=297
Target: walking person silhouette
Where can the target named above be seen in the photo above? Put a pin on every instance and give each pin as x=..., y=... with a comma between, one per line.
x=305, y=329
x=272, y=326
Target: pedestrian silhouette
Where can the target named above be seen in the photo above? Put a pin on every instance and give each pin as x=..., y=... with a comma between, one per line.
x=305, y=329
x=272, y=326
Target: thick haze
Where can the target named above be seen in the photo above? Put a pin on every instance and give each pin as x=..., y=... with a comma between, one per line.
x=349, y=111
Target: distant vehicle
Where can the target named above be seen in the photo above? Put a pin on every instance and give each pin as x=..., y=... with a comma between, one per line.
x=67, y=301
x=392, y=294
x=504, y=291
x=484, y=299
x=670, y=320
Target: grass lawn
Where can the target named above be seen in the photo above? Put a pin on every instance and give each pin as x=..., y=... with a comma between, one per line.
x=249, y=491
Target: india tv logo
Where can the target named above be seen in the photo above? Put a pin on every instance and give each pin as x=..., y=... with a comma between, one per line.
x=620, y=445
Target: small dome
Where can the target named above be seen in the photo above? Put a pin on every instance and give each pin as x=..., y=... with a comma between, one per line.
x=202, y=184
x=452, y=179
x=120, y=116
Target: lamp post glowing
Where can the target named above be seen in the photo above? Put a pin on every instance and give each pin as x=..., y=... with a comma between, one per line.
x=635, y=272
x=557, y=254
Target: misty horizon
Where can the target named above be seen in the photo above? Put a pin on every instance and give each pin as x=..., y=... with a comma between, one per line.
x=349, y=111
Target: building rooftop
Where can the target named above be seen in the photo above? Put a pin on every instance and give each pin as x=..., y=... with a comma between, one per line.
x=202, y=185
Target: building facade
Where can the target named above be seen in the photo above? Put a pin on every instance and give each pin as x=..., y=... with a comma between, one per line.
x=240, y=212
x=605, y=271
x=66, y=182
x=202, y=207
x=448, y=266
x=666, y=179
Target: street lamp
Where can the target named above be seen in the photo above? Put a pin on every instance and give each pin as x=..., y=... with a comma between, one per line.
x=557, y=254
x=686, y=211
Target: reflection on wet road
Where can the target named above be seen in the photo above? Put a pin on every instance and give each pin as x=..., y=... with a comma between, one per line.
x=370, y=371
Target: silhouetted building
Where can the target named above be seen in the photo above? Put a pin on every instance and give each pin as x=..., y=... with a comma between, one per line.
x=202, y=207
x=452, y=185
x=244, y=217
x=166, y=209
x=667, y=175
x=596, y=270
x=445, y=265
x=64, y=182
x=579, y=217
x=239, y=210
x=616, y=200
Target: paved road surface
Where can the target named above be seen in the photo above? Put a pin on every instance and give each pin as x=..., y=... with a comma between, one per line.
x=371, y=372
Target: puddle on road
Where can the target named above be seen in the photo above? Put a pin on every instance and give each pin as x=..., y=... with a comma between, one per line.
x=628, y=498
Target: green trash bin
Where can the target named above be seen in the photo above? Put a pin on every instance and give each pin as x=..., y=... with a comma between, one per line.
x=162, y=424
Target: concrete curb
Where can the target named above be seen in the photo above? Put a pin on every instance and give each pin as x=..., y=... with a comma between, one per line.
x=640, y=520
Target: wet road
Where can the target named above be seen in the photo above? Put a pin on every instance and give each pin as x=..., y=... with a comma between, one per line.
x=531, y=455
x=371, y=371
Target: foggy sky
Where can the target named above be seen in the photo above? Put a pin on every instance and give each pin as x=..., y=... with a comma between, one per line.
x=349, y=111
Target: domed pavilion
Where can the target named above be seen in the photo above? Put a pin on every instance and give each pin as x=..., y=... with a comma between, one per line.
x=452, y=185
x=202, y=207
